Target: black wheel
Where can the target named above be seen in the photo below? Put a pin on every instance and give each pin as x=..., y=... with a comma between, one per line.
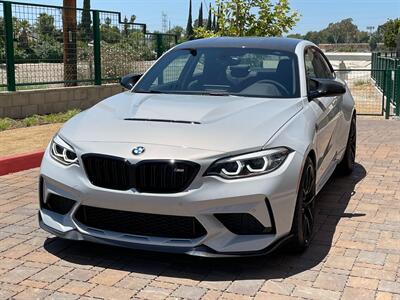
x=303, y=220
x=346, y=166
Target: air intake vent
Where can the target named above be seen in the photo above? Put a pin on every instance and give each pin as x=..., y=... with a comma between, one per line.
x=58, y=204
x=162, y=120
x=242, y=224
x=140, y=223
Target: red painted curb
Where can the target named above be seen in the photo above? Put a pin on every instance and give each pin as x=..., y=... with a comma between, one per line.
x=20, y=162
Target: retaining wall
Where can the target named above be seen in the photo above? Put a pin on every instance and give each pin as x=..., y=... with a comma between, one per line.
x=21, y=104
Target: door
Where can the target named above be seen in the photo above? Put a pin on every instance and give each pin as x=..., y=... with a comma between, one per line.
x=328, y=109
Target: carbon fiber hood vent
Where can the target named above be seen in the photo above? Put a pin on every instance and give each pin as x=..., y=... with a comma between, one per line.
x=162, y=120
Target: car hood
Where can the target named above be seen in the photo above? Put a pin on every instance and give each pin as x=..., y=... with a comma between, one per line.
x=218, y=123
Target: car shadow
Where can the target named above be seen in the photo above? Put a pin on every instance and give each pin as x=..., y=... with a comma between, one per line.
x=331, y=207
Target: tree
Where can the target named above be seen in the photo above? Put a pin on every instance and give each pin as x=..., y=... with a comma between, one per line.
x=200, y=18
x=295, y=36
x=363, y=37
x=317, y=37
x=178, y=31
x=373, y=41
x=342, y=32
x=23, y=39
x=189, y=26
x=109, y=34
x=86, y=21
x=126, y=27
x=390, y=31
x=214, y=23
x=209, y=22
x=252, y=18
x=45, y=25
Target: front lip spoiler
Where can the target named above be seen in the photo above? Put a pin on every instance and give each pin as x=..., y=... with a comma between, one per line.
x=202, y=250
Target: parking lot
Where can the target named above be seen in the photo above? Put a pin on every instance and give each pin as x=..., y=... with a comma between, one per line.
x=355, y=253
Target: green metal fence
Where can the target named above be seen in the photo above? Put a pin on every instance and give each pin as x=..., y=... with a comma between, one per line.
x=387, y=80
x=46, y=46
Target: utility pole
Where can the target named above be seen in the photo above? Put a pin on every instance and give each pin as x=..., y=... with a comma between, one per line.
x=69, y=36
x=164, y=22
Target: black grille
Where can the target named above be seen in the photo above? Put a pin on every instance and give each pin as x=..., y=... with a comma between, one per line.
x=161, y=176
x=164, y=177
x=107, y=172
x=242, y=223
x=58, y=204
x=140, y=223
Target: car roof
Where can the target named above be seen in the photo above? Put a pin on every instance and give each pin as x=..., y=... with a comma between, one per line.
x=271, y=43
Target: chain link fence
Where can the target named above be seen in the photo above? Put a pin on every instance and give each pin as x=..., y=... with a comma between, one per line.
x=49, y=46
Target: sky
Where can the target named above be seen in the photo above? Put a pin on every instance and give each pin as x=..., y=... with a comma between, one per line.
x=315, y=14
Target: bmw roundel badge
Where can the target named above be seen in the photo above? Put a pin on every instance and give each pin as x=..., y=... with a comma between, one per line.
x=138, y=150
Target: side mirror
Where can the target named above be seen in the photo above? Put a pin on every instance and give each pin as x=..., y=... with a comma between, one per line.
x=325, y=88
x=129, y=81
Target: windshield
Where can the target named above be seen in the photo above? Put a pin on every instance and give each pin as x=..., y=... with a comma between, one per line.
x=224, y=71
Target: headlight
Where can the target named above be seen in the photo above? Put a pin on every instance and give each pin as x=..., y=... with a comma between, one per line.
x=251, y=164
x=62, y=152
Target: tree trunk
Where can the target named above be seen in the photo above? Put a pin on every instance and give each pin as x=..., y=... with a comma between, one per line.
x=69, y=37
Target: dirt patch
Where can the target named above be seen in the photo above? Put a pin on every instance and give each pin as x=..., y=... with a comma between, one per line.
x=22, y=140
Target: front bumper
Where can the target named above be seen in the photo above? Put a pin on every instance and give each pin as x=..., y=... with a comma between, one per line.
x=270, y=198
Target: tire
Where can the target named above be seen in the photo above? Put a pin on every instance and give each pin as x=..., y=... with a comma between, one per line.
x=346, y=166
x=303, y=219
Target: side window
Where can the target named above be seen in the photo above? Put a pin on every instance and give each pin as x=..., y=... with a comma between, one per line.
x=310, y=70
x=323, y=68
x=316, y=66
x=309, y=62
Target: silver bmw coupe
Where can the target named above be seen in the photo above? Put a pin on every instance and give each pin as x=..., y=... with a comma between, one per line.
x=219, y=149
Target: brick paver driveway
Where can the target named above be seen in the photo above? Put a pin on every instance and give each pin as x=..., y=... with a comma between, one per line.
x=355, y=253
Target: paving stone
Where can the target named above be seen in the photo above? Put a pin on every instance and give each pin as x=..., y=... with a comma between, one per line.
x=377, y=258
x=77, y=287
x=18, y=274
x=110, y=292
x=188, y=292
x=156, y=293
x=364, y=283
x=389, y=286
x=245, y=287
x=80, y=274
x=356, y=293
x=340, y=262
x=50, y=274
x=109, y=277
x=32, y=293
x=330, y=281
x=314, y=293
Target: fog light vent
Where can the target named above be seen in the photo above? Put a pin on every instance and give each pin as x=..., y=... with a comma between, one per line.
x=58, y=204
x=242, y=224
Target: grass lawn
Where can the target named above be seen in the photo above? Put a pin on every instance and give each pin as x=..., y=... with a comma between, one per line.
x=30, y=134
x=7, y=123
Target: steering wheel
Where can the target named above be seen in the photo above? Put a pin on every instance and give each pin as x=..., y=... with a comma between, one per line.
x=277, y=84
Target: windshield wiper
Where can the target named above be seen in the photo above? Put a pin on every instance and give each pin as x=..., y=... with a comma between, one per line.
x=215, y=93
x=149, y=91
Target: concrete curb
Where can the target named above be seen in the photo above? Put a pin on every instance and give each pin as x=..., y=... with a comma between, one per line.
x=20, y=162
